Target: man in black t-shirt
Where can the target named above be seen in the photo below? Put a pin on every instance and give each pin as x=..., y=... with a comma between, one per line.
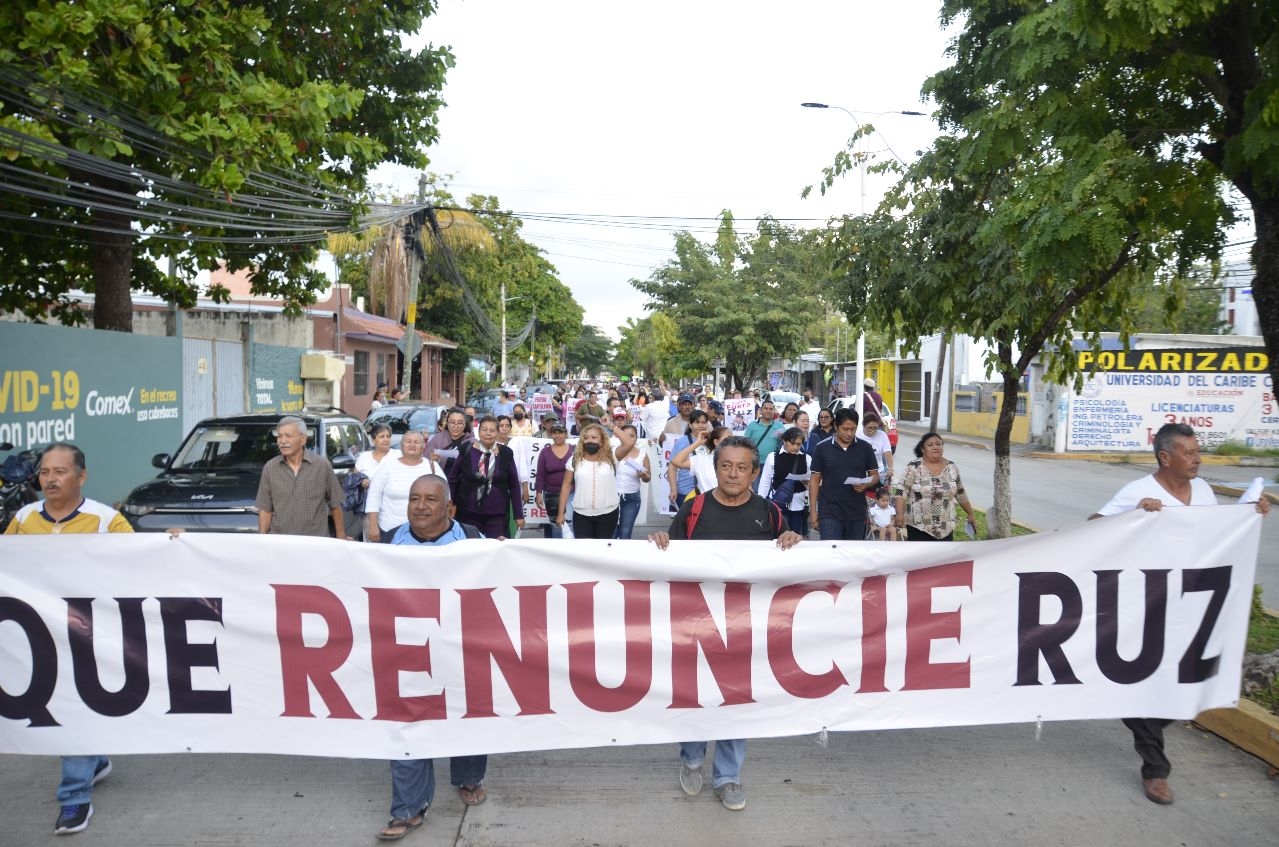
x=841, y=504
x=730, y=511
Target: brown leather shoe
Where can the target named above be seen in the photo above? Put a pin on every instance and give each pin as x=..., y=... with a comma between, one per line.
x=1158, y=791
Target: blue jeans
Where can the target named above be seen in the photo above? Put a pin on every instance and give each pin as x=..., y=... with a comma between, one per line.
x=729, y=756
x=837, y=529
x=413, y=782
x=77, y=779
x=629, y=512
x=797, y=521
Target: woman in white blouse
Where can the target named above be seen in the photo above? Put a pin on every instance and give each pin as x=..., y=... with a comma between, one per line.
x=699, y=456
x=591, y=479
x=368, y=462
x=633, y=471
x=387, y=505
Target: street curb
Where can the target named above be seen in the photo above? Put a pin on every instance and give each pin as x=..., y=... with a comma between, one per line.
x=1148, y=459
x=1247, y=726
x=1237, y=491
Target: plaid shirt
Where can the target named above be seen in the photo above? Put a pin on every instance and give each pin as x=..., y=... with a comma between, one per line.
x=299, y=503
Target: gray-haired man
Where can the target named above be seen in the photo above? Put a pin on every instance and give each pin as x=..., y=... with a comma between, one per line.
x=299, y=492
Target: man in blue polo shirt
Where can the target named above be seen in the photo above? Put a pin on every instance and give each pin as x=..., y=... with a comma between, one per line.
x=430, y=524
x=843, y=469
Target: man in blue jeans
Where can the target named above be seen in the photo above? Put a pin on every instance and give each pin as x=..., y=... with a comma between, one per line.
x=431, y=524
x=64, y=509
x=729, y=511
x=843, y=470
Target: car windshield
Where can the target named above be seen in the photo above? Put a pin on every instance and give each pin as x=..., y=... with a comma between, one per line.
x=424, y=420
x=245, y=447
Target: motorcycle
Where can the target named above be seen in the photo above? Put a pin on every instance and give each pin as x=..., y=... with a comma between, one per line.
x=18, y=482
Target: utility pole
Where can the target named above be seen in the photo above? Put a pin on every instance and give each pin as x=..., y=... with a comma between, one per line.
x=503, y=298
x=410, y=308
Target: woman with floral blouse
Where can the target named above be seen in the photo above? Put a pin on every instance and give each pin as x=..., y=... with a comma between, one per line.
x=927, y=493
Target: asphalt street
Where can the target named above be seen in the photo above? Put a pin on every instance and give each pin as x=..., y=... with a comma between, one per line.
x=1070, y=784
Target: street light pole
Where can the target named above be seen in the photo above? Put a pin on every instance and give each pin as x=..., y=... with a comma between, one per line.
x=861, y=155
x=861, y=161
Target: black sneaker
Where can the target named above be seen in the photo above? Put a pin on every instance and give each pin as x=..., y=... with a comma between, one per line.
x=101, y=772
x=73, y=818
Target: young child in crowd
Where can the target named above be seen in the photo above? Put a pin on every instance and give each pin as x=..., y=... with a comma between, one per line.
x=882, y=514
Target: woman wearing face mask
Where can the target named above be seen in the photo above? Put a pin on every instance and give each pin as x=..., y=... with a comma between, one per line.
x=486, y=484
x=387, y=504
x=788, y=470
x=591, y=480
x=522, y=424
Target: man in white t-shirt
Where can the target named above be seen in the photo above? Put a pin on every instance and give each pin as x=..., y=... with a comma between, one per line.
x=1175, y=483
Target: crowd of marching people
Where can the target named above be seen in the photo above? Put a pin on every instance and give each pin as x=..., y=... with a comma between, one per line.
x=585, y=476
x=734, y=469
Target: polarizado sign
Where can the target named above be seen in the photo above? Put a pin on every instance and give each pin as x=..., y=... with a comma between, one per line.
x=272, y=644
x=1226, y=394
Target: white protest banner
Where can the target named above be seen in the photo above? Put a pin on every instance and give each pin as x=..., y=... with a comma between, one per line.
x=739, y=413
x=207, y=643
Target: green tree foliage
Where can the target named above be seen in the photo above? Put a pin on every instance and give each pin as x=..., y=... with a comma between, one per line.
x=744, y=298
x=1179, y=305
x=651, y=346
x=1004, y=237
x=272, y=111
x=1187, y=84
x=591, y=351
x=532, y=283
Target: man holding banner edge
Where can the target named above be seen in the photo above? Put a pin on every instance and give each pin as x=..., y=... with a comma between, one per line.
x=1175, y=483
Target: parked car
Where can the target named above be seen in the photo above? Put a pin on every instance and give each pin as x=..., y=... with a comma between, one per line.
x=781, y=398
x=890, y=420
x=401, y=417
x=211, y=482
x=484, y=401
x=542, y=388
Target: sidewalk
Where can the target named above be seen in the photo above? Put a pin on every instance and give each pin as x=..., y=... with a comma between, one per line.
x=1229, y=476
x=1070, y=784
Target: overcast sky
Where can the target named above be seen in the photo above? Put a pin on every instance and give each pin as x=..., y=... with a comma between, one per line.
x=669, y=110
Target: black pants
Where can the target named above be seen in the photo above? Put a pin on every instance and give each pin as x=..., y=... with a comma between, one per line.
x=595, y=526
x=913, y=534
x=552, y=502
x=1148, y=741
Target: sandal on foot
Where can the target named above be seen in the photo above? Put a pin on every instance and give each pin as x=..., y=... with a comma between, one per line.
x=397, y=828
x=473, y=795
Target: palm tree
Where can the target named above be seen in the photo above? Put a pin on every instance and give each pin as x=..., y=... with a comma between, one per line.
x=389, y=265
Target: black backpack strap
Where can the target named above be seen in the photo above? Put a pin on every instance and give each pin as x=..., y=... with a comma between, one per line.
x=470, y=531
